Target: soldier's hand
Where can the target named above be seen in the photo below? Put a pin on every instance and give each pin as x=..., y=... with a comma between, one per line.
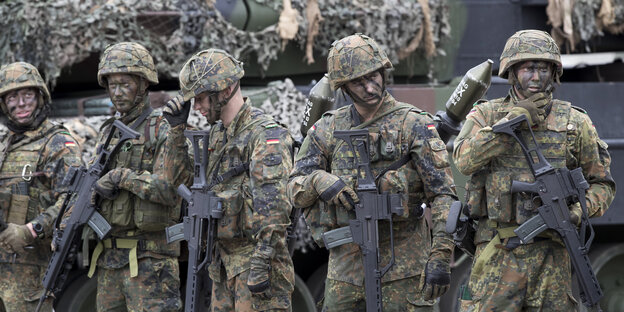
x=259, y=279
x=332, y=189
x=108, y=185
x=176, y=110
x=16, y=237
x=532, y=108
x=576, y=213
x=437, y=279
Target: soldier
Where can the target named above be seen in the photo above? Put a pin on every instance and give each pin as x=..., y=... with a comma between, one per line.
x=401, y=135
x=34, y=157
x=250, y=159
x=533, y=276
x=136, y=269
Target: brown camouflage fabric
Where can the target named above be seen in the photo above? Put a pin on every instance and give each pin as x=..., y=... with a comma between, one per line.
x=22, y=296
x=568, y=139
x=255, y=203
x=352, y=57
x=210, y=70
x=535, y=277
x=155, y=289
x=127, y=58
x=399, y=295
x=40, y=150
x=526, y=45
x=426, y=179
x=145, y=192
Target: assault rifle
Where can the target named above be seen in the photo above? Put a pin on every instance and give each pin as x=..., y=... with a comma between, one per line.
x=81, y=182
x=199, y=226
x=557, y=188
x=364, y=229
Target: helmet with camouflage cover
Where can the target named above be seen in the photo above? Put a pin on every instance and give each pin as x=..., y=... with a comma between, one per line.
x=20, y=75
x=527, y=45
x=352, y=57
x=211, y=70
x=127, y=58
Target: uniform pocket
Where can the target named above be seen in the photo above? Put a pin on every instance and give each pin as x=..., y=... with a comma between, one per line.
x=229, y=225
x=119, y=211
x=149, y=216
x=498, y=190
x=439, y=154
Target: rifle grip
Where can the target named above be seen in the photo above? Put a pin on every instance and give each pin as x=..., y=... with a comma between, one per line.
x=517, y=187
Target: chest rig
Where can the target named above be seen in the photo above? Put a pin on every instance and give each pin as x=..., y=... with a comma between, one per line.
x=489, y=191
x=24, y=195
x=129, y=212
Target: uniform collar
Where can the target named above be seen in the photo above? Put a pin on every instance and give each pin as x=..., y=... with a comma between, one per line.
x=240, y=118
x=387, y=103
x=136, y=111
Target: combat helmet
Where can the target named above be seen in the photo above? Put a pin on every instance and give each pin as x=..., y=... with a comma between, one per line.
x=211, y=70
x=20, y=75
x=352, y=57
x=127, y=58
x=527, y=45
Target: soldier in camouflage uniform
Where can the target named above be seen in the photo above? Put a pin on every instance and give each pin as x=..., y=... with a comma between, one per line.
x=136, y=269
x=325, y=170
x=250, y=157
x=34, y=157
x=507, y=276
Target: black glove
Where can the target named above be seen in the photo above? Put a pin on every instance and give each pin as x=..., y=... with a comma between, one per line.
x=437, y=279
x=332, y=189
x=176, y=111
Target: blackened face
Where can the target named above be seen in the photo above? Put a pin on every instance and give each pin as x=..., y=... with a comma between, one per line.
x=123, y=90
x=533, y=77
x=22, y=104
x=367, y=90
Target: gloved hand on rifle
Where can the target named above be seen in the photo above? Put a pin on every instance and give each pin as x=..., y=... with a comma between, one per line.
x=533, y=108
x=108, y=185
x=176, y=111
x=437, y=276
x=259, y=279
x=332, y=189
x=15, y=237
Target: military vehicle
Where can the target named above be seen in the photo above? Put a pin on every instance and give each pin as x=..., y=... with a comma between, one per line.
x=432, y=43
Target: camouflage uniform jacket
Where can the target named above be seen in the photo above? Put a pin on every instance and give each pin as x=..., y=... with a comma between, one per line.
x=255, y=203
x=425, y=179
x=37, y=151
x=567, y=138
x=147, y=201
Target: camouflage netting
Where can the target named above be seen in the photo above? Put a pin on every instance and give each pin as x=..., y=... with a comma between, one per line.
x=576, y=21
x=174, y=29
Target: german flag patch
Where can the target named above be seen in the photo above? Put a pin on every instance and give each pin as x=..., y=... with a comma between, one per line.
x=70, y=143
x=273, y=141
x=430, y=126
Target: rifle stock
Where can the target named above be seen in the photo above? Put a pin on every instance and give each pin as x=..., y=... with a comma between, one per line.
x=372, y=208
x=199, y=226
x=557, y=188
x=81, y=181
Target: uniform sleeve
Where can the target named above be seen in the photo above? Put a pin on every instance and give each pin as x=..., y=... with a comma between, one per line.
x=476, y=144
x=312, y=156
x=157, y=186
x=271, y=162
x=62, y=150
x=430, y=159
x=595, y=160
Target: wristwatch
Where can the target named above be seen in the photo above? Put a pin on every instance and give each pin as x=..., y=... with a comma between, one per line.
x=38, y=228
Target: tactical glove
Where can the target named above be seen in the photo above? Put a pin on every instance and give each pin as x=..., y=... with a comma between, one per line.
x=176, y=111
x=437, y=279
x=575, y=214
x=532, y=108
x=259, y=279
x=332, y=189
x=108, y=185
x=16, y=237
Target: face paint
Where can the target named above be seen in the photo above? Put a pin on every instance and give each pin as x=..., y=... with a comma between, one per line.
x=123, y=90
x=22, y=104
x=367, y=90
x=533, y=77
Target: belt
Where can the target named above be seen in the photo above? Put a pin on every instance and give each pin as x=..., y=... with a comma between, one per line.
x=119, y=243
